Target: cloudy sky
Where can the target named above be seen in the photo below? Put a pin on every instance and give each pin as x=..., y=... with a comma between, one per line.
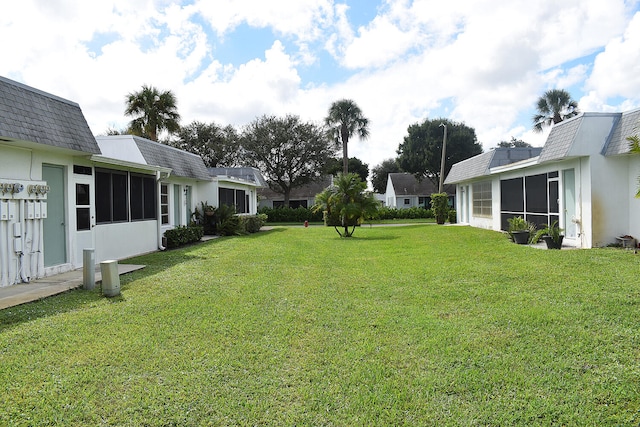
x=480, y=62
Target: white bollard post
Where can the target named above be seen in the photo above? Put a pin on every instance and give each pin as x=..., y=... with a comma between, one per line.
x=88, y=269
x=110, y=278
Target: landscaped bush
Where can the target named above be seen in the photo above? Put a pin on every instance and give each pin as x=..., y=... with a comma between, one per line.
x=410, y=213
x=183, y=235
x=252, y=223
x=231, y=226
x=285, y=214
x=452, y=216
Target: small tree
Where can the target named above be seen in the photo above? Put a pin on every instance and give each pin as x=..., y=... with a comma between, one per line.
x=346, y=203
x=440, y=206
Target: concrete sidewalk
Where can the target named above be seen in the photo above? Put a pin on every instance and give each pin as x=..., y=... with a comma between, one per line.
x=11, y=296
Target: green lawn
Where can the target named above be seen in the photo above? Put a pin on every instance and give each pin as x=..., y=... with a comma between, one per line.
x=416, y=325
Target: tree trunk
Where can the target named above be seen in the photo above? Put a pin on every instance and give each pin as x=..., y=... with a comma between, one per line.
x=287, y=195
x=344, y=135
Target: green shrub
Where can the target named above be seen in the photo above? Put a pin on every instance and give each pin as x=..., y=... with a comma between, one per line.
x=285, y=214
x=410, y=213
x=252, y=223
x=452, y=216
x=440, y=206
x=183, y=235
x=231, y=226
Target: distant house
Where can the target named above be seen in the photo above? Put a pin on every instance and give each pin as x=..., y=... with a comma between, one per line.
x=62, y=190
x=405, y=191
x=303, y=196
x=584, y=177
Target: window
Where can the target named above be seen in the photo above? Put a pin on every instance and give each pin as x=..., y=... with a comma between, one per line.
x=81, y=170
x=407, y=201
x=235, y=198
x=482, y=199
x=164, y=204
x=143, y=197
x=122, y=197
x=225, y=196
x=240, y=202
x=83, y=213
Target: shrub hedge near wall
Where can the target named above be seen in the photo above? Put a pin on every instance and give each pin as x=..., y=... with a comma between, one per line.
x=183, y=235
x=303, y=214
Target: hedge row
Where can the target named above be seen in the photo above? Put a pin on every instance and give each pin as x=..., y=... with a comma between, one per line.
x=302, y=214
x=234, y=225
x=283, y=214
x=183, y=235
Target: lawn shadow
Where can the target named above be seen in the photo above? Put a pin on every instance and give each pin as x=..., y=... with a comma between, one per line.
x=76, y=299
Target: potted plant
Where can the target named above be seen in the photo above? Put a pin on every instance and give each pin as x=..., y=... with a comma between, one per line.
x=440, y=206
x=519, y=230
x=552, y=236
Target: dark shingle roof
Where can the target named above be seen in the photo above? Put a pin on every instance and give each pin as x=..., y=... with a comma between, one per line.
x=28, y=114
x=406, y=184
x=481, y=164
x=628, y=125
x=307, y=191
x=143, y=151
x=561, y=139
x=182, y=163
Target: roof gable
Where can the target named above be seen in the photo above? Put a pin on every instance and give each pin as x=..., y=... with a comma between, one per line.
x=406, y=184
x=144, y=151
x=28, y=114
x=481, y=164
x=628, y=125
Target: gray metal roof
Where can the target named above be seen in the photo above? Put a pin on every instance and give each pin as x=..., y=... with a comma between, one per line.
x=182, y=163
x=244, y=173
x=406, y=184
x=628, y=125
x=28, y=114
x=481, y=164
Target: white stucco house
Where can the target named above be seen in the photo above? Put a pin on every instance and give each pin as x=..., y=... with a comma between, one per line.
x=405, y=191
x=584, y=177
x=63, y=190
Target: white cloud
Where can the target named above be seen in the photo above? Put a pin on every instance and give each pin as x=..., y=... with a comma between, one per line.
x=616, y=71
x=476, y=61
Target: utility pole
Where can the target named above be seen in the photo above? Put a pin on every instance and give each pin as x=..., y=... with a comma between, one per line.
x=444, y=150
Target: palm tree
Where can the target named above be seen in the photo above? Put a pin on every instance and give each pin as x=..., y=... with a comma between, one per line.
x=345, y=119
x=153, y=112
x=553, y=107
x=346, y=203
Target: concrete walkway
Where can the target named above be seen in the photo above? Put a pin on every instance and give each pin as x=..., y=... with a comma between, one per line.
x=11, y=296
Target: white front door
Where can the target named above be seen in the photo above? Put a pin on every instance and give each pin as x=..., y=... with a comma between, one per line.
x=85, y=215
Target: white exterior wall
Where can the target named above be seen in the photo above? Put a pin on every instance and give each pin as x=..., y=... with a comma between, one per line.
x=612, y=199
x=634, y=204
x=390, y=194
x=124, y=240
x=208, y=192
x=24, y=164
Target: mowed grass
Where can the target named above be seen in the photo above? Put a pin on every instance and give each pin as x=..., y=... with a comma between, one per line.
x=416, y=325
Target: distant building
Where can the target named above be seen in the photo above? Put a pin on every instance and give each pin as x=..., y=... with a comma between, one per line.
x=405, y=191
x=304, y=196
